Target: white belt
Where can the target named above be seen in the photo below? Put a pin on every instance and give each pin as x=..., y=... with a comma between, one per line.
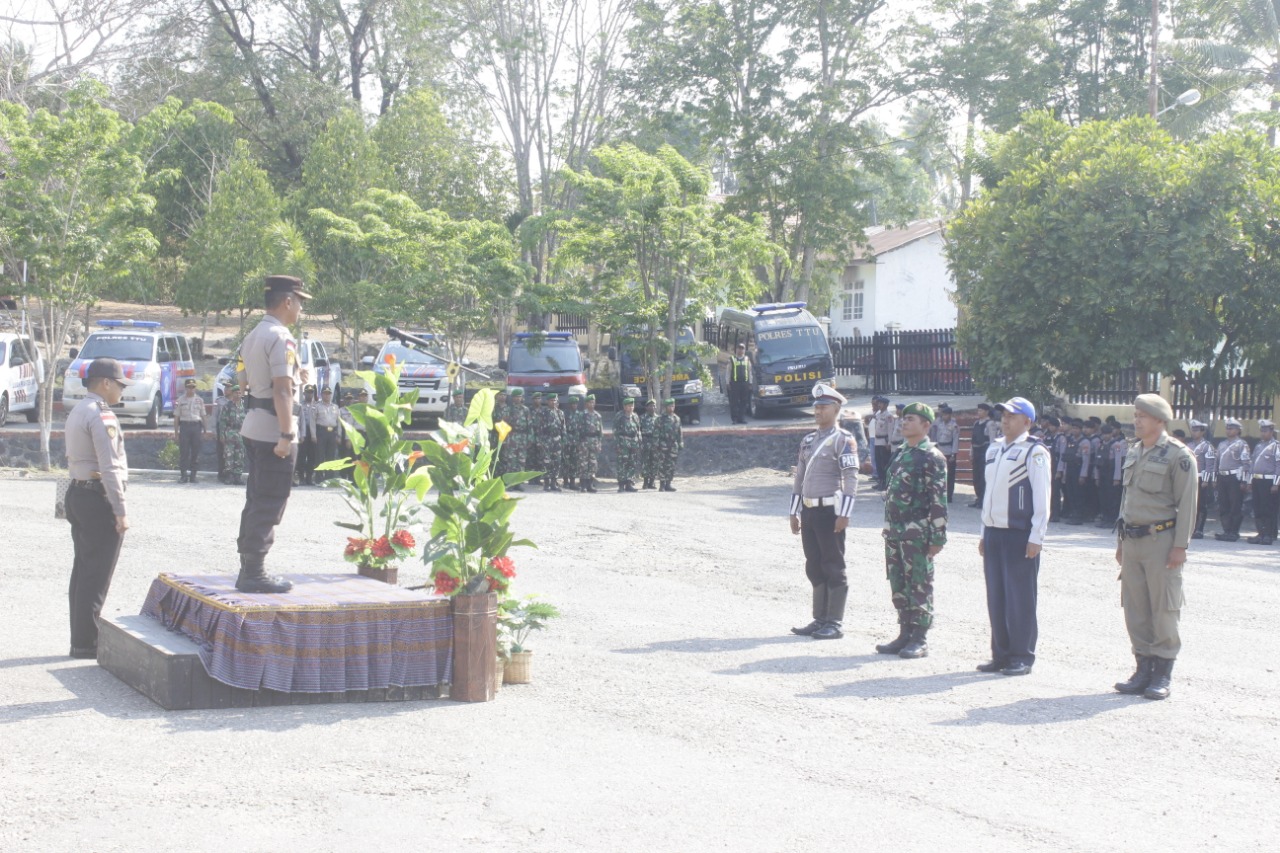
x=817, y=502
x=1272, y=477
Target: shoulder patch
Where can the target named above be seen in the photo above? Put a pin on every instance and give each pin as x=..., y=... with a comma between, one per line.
x=1186, y=464
x=808, y=439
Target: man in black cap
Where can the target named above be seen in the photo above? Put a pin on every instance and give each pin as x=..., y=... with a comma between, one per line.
x=269, y=362
x=190, y=423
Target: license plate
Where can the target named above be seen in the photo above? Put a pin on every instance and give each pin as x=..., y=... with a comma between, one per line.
x=694, y=401
x=800, y=398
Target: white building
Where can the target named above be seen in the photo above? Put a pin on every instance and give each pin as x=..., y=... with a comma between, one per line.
x=903, y=282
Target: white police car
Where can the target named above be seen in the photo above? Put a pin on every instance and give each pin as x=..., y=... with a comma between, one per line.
x=158, y=362
x=20, y=369
x=424, y=362
x=322, y=371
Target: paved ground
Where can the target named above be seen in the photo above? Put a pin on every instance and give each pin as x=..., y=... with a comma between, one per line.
x=671, y=710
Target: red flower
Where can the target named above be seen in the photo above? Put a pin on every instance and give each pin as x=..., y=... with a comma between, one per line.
x=458, y=447
x=504, y=565
x=497, y=585
x=354, y=546
x=382, y=548
x=445, y=583
x=403, y=538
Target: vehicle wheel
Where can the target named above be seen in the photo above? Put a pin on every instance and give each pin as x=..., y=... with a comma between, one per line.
x=4, y=408
x=33, y=414
x=695, y=415
x=153, y=416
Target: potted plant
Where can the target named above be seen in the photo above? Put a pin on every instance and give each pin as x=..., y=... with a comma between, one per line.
x=519, y=619
x=378, y=492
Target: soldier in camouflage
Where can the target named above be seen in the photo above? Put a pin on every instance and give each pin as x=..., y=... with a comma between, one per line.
x=516, y=447
x=590, y=440
x=569, y=450
x=626, y=437
x=550, y=429
x=533, y=455
x=230, y=419
x=456, y=411
x=915, y=529
x=649, y=443
x=669, y=441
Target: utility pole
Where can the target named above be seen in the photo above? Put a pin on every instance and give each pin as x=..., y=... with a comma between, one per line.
x=1153, y=91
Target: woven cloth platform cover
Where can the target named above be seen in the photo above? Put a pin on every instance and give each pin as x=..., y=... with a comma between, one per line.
x=329, y=634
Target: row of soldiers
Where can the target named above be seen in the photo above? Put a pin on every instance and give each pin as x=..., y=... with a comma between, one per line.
x=565, y=444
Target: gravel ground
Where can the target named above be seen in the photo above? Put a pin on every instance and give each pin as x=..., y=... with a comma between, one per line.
x=671, y=710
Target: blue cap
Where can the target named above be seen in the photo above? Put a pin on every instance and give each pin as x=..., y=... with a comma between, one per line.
x=1018, y=406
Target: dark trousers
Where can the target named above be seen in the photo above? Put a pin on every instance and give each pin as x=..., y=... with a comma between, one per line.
x=307, y=453
x=1264, y=508
x=326, y=448
x=265, y=495
x=190, y=437
x=978, y=454
x=1011, y=594
x=1204, y=497
x=1073, y=507
x=739, y=401
x=1108, y=499
x=1230, y=504
x=1055, y=496
x=951, y=477
x=883, y=454
x=97, y=547
x=823, y=547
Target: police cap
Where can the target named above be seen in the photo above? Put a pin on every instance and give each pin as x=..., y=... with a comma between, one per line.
x=286, y=284
x=106, y=368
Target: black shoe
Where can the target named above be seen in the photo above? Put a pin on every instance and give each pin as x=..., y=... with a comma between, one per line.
x=808, y=630
x=668, y=487
x=1019, y=668
x=555, y=486
x=916, y=646
x=184, y=479
x=828, y=631
x=1161, y=672
x=1226, y=537
x=591, y=485
x=648, y=483
x=1140, y=679
x=90, y=653
x=629, y=486
x=992, y=666
x=972, y=504
x=1267, y=540
x=894, y=646
x=1198, y=535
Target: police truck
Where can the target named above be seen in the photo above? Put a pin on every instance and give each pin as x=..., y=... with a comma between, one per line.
x=791, y=353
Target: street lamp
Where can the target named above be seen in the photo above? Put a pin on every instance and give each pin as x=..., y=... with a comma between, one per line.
x=1189, y=98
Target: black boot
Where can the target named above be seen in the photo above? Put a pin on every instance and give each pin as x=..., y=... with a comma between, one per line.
x=1161, y=672
x=894, y=646
x=568, y=484
x=253, y=578
x=591, y=485
x=555, y=486
x=819, y=612
x=916, y=647
x=668, y=486
x=630, y=486
x=1141, y=677
x=622, y=485
x=183, y=478
x=648, y=482
x=546, y=485
x=830, y=630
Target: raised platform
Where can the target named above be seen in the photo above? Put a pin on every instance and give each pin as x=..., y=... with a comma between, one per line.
x=165, y=667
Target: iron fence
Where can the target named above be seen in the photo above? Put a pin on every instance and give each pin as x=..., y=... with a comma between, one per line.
x=1119, y=388
x=925, y=360
x=1236, y=395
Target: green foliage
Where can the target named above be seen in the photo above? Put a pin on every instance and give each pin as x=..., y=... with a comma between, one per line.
x=517, y=619
x=1110, y=246
x=168, y=457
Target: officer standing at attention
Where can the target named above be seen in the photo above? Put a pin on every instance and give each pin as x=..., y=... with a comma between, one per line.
x=456, y=411
x=649, y=443
x=669, y=441
x=572, y=437
x=739, y=384
x=270, y=431
x=550, y=429
x=1266, y=483
x=979, y=441
x=1015, y=518
x=945, y=434
x=516, y=448
x=190, y=423
x=1207, y=465
x=219, y=437
x=99, y=473
x=915, y=529
x=626, y=439
x=308, y=453
x=533, y=453
x=327, y=430
x=1233, y=479
x=1157, y=513
x=881, y=427
x=826, y=480
x=590, y=440
x=230, y=420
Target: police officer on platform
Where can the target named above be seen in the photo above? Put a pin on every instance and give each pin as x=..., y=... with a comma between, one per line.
x=99, y=473
x=271, y=373
x=826, y=480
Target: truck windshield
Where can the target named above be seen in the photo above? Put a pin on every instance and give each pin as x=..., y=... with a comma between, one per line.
x=795, y=343
x=410, y=355
x=551, y=357
x=119, y=347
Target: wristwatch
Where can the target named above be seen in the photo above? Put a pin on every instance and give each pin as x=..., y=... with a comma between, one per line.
x=289, y=435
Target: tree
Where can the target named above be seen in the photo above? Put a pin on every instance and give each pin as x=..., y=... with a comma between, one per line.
x=1111, y=246
x=652, y=252
x=71, y=208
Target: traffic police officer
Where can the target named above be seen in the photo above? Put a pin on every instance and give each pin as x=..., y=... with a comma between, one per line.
x=1157, y=514
x=1233, y=479
x=99, y=473
x=270, y=357
x=1266, y=483
x=826, y=480
x=1207, y=465
x=739, y=384
x=190, y=423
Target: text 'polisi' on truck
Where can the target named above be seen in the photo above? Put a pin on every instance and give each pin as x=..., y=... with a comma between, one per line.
x=686, y=369
x=791, y=354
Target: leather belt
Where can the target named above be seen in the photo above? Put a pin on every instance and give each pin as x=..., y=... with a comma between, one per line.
x=813, y=503
x=1137, y=531
x=87, y=484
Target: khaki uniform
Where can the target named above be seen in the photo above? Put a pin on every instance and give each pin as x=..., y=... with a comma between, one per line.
x=190, y=422
x=1160, y=485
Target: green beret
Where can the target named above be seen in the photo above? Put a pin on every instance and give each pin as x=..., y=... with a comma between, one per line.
x=591, y=398
x=535, y=396
x=626, y=401
x=572, y=399
x=670, y=401
x=458, y=392
x=516, y=392
x=650, y=402
x=921, y=410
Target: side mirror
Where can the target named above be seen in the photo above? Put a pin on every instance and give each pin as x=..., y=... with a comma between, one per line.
x=75, y=353
x=502, y=364
x=17, y=361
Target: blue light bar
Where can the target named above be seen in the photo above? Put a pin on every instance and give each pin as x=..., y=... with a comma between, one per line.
x=553, y=336
x=130, y=324
x=776, y=306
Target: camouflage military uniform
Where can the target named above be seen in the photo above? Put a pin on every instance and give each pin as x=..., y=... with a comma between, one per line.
x=648, y=448
x=590, y=439
x=516, y=447
x=230, y=419
x=455, y=413
x=533, y=448
x=669, y=442
x=572, y=442
x=626, y=436
x=550, y=429
x=915, y=515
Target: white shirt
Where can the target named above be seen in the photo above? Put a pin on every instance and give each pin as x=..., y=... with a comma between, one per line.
x=1008, y=465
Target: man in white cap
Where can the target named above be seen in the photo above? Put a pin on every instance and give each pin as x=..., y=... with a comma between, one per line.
x=1156, y=518
x=1207, y=465
x=1015, y=518
x=1266, y=483
x=821, y=505
x=1233, y=479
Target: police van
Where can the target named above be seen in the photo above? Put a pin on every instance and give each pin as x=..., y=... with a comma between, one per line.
x=20, y=370
x=791, y=356
x=427, y=366
x=158, y=361
x=546, y=362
